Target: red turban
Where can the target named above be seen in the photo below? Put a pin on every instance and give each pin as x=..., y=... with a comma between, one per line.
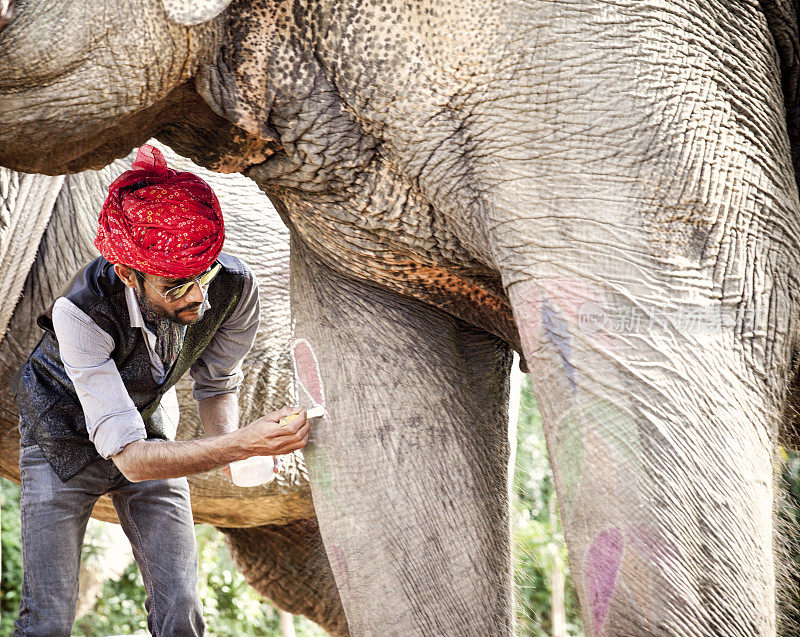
x=160, y=221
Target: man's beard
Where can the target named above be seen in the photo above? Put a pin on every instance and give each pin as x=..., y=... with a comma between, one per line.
x=175, y=317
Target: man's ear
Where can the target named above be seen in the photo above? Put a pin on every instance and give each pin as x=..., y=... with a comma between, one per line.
x=126, y=274
x=191, y=12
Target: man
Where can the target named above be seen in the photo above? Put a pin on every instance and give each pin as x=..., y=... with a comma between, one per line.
x=98, y=410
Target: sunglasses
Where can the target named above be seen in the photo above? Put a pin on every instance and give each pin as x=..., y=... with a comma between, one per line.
x=173, y=294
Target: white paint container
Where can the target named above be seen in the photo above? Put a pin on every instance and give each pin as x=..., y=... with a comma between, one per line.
x=253, y=471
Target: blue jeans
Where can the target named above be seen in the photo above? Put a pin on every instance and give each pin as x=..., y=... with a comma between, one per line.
x=157, y=518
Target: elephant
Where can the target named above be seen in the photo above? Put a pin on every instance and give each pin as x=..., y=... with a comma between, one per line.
x=58, y=215
x=610, y=189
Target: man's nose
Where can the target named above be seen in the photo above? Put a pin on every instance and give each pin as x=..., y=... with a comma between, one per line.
x=196, y=293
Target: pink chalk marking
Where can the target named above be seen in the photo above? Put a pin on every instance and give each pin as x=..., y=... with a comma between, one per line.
x=569, y=296
x=320, y=466
x=308, y=370
x=602, y=568
x=340, y=565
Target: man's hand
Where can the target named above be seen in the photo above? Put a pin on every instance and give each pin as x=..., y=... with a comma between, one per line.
x=287, y=437
x=265, y=437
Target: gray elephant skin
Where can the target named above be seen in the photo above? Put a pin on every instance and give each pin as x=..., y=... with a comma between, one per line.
x=609, y=188
x=50, y=226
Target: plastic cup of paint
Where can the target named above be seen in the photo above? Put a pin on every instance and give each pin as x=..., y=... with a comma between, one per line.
x=253, y=471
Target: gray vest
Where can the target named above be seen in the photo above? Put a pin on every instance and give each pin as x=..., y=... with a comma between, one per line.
x=50, y=412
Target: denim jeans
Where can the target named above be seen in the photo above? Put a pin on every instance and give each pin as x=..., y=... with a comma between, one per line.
x=157, y=518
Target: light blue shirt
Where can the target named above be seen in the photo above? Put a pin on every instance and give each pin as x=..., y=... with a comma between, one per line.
x=112, y=419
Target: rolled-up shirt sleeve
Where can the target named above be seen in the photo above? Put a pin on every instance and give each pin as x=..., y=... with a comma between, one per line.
x=112, y=419
x=218, y=370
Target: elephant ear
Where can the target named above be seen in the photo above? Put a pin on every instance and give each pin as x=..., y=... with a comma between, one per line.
x=234, y=83
x=191, y=12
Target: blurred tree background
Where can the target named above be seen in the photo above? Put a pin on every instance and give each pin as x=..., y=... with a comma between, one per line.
x=789, y=516
x=546, y=600
x=547, y=603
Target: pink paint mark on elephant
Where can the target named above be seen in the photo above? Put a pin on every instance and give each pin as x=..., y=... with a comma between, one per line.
x=305, y=362
x=339, y=564
x=602, y=566
x=319, y=464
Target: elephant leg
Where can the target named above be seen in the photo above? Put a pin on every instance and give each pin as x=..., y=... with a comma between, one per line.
x=287, y=564
x=409, y=467
x=660, y=418
x=652, y=269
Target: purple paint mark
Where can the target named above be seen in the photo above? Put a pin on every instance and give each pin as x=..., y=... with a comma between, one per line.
x=308, y=370
x=556, y=331
x=602, y=567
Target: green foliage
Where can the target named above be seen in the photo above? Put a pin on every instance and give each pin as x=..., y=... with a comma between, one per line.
x=789, y=519
x=120, y=609
x=538, y=540
x=230, y=606
x=10, y=539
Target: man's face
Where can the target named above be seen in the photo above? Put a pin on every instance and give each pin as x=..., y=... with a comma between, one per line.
x=184, y=311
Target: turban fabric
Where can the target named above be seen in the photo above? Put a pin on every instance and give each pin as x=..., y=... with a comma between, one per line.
x=160, y=221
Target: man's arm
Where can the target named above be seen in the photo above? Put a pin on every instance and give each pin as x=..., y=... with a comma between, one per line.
x=158, y=459
x=218, y=370
x=112, y=419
